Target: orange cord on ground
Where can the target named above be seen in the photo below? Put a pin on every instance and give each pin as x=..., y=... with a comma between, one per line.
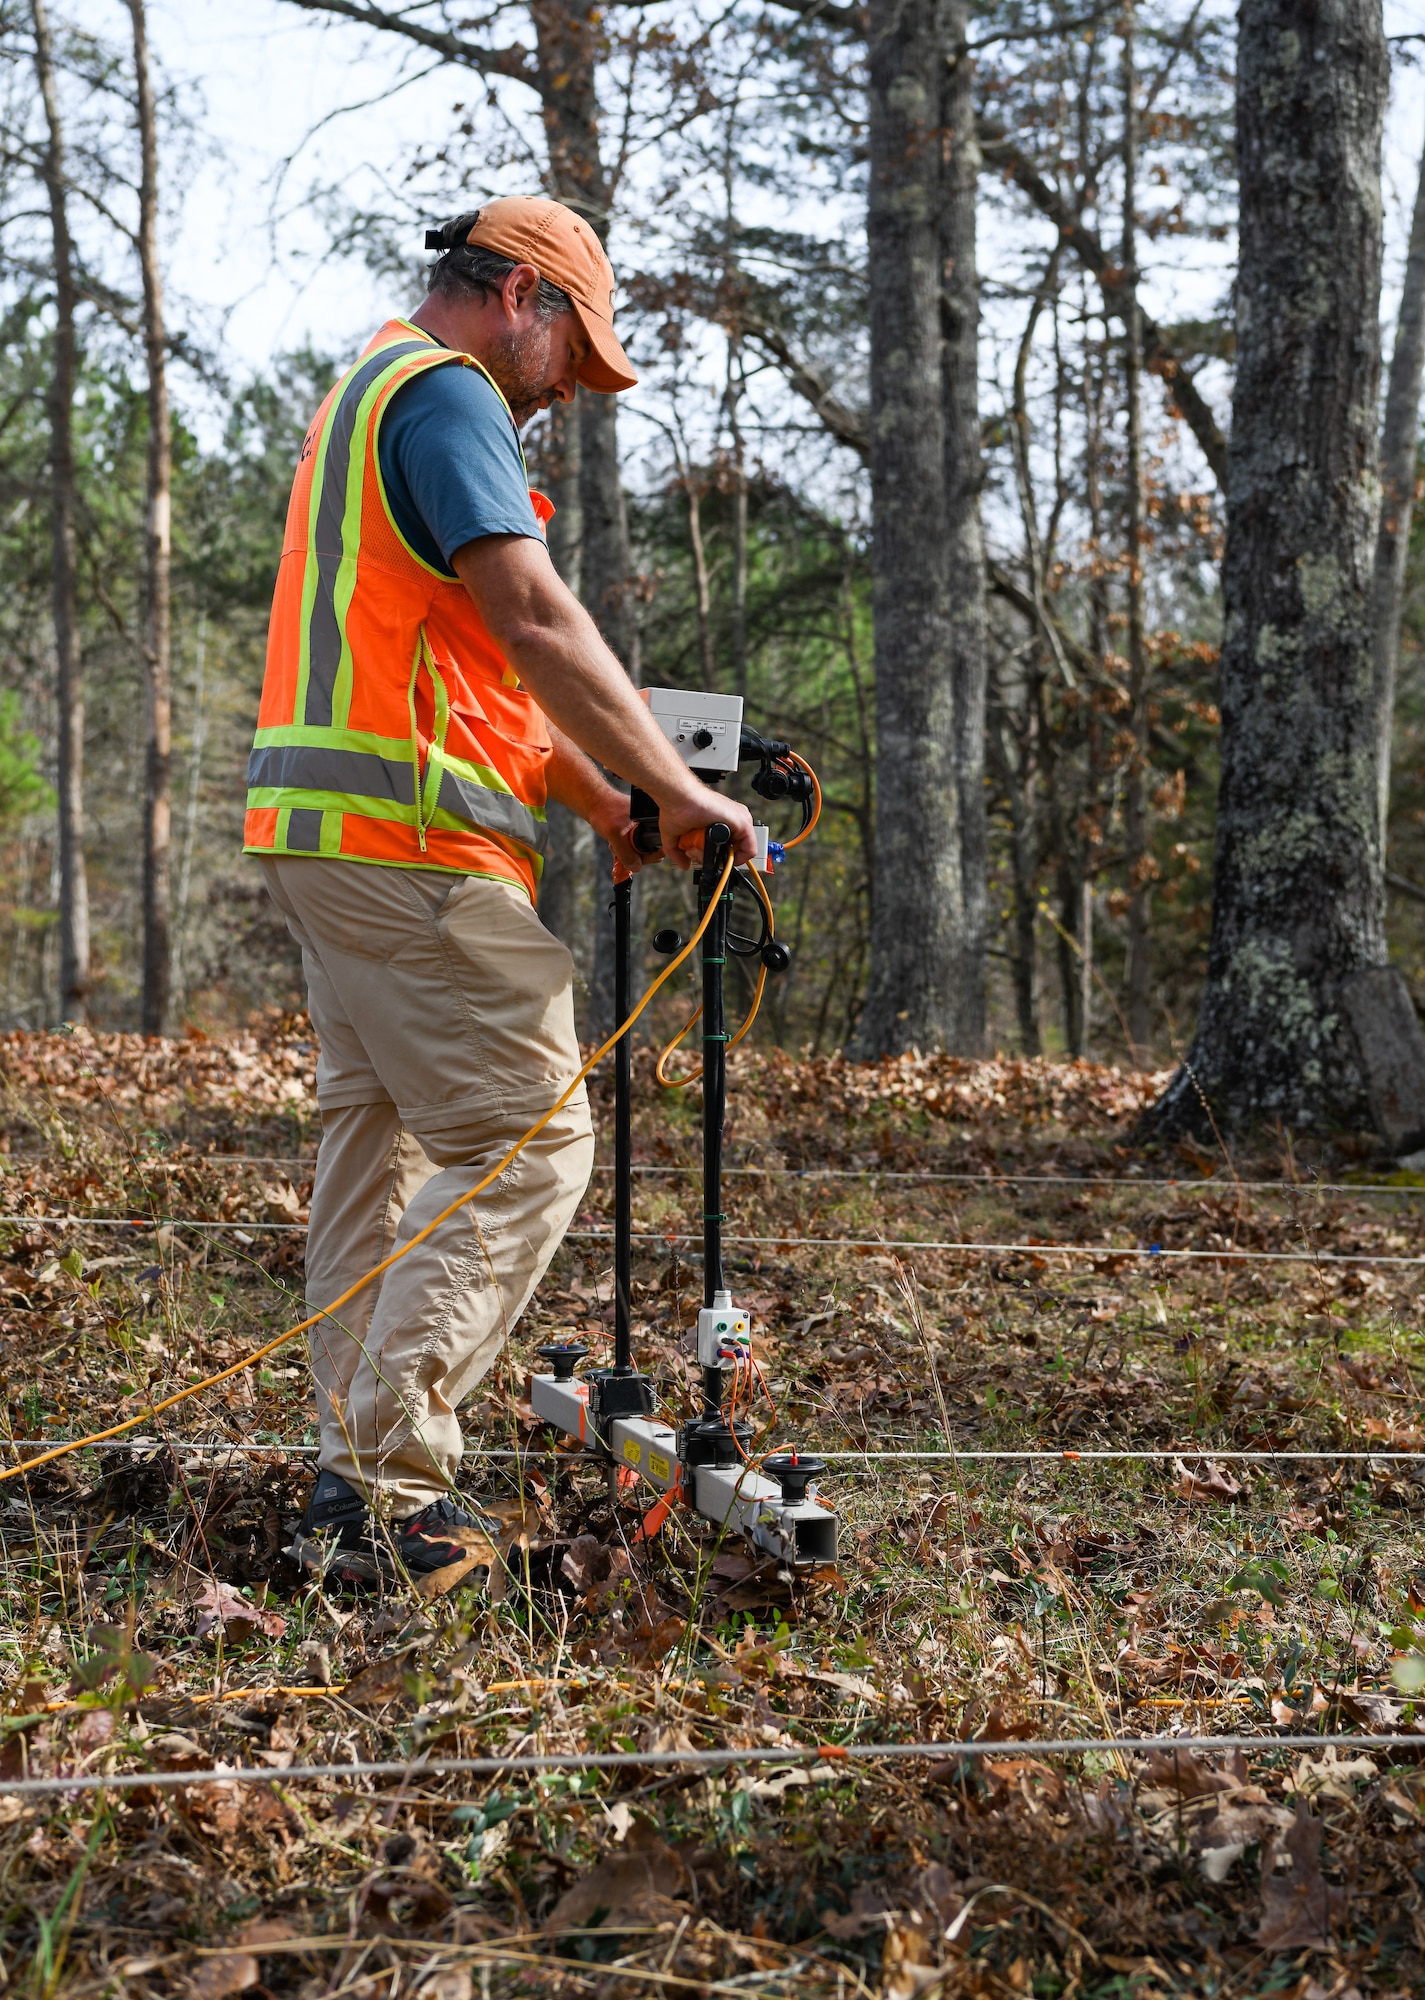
x=260, y=1353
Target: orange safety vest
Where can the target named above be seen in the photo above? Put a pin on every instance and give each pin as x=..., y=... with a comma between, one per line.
x=392, y=729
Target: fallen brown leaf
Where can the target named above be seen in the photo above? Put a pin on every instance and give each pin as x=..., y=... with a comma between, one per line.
x=639, y=1884
x=450, y=1982
x=264, y=1931
x=872, y=1909
x=1209, y=1486
x=401, y=1904
x=381, y=1681
x=172, y=1752
x=480, y=1553
x=594, y=1569
x=219, y=1604
x=226, y=1972
x=1181, y=1772
x=1299, y=1906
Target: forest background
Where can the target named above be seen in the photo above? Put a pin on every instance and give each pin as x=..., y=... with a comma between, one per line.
x=722, y=531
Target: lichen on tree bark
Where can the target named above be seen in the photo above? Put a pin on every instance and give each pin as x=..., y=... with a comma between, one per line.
x=1297, y=900
x=917, y=920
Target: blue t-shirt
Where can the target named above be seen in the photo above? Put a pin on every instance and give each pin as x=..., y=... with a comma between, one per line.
x=450, y=458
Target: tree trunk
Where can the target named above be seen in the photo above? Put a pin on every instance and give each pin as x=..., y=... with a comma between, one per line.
x=73, y=884
x=1013, y=760
x=563, y=885
x=739, y=518
x=157, y=808
x=1399, y=449
x=702, y=582
x=1297, y=904
x=562, y=471
x=568, y=40
x=964, y=539
x=608, y=592
x=190, y=818
x=917, y=928
x=1135, y=791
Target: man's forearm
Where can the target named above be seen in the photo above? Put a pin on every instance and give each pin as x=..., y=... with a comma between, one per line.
x=574, y=779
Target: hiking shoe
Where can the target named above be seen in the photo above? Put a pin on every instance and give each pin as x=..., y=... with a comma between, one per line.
x=443, y=1534
x=333, y=1537
x=336, y=1512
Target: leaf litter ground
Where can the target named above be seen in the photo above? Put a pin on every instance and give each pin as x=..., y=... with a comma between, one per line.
x=152, y=1621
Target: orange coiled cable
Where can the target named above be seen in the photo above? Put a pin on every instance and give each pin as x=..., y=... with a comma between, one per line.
x=810, y=827
x=271, y=1346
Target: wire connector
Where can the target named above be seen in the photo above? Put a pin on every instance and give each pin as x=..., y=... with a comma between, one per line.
x=724, y=1333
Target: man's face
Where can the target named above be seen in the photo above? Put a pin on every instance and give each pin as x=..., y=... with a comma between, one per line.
x=535, y=362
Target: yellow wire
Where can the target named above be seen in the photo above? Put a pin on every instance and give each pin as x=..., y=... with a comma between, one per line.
x=261, y=1353
x=678, y=1082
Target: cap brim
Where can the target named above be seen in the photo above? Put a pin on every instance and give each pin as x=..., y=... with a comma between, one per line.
x=606, y=369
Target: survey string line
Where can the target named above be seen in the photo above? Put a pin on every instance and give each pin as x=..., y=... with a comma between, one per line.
x=480, y=1454
x=833, y=1754
x=1148, y=1252
x=1212, y=1184
x=928, y=1177
x=1152, y=1253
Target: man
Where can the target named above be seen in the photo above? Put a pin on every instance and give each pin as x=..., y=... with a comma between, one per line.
x=430, y=683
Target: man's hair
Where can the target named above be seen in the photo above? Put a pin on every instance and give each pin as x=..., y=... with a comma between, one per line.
x=469, y=267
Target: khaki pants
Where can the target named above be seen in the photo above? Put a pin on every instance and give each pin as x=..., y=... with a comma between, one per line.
x=445, y=1017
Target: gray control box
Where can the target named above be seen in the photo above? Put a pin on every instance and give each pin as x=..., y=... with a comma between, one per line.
x=704, y=729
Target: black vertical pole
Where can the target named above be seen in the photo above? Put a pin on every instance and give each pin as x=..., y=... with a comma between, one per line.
x=716, y=842
x=623, y=1130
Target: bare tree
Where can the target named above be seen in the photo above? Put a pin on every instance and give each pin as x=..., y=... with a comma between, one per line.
x=1297, y=906
x=69, y=690
x=964, y=539
x=917, y=911
x=1135, y=799
x=1399, y=452
x=157, y=550
x=563, y=885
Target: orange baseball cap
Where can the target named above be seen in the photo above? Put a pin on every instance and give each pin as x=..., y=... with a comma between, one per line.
x=564, y=249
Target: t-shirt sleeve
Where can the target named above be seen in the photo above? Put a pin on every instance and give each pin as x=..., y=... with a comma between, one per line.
x=450, y=452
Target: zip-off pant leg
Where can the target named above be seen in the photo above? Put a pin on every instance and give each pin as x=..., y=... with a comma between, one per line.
x=444, y=1013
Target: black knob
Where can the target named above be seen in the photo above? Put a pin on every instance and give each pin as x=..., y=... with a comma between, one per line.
x=668, y=942
x=793, y=1471
x=776, y=957
x=563, y=1357
x=717, y=834
x=701, y=738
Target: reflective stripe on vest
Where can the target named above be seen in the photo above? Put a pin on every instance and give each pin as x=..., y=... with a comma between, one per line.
x=379, y=782
x=334, y=537
x=315, y=769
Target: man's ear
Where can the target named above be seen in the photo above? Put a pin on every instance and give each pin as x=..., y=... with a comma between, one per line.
x=519, y=288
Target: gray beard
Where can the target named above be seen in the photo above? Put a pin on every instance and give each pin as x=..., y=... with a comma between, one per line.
x=511, y=367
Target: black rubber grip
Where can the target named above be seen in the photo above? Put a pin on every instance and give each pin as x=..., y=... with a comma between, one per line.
x=646, y=837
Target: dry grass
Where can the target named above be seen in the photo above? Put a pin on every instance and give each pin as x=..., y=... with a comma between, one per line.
x=148, y=1613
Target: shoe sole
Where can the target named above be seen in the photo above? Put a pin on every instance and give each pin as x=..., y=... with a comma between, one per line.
x=321, y=1562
